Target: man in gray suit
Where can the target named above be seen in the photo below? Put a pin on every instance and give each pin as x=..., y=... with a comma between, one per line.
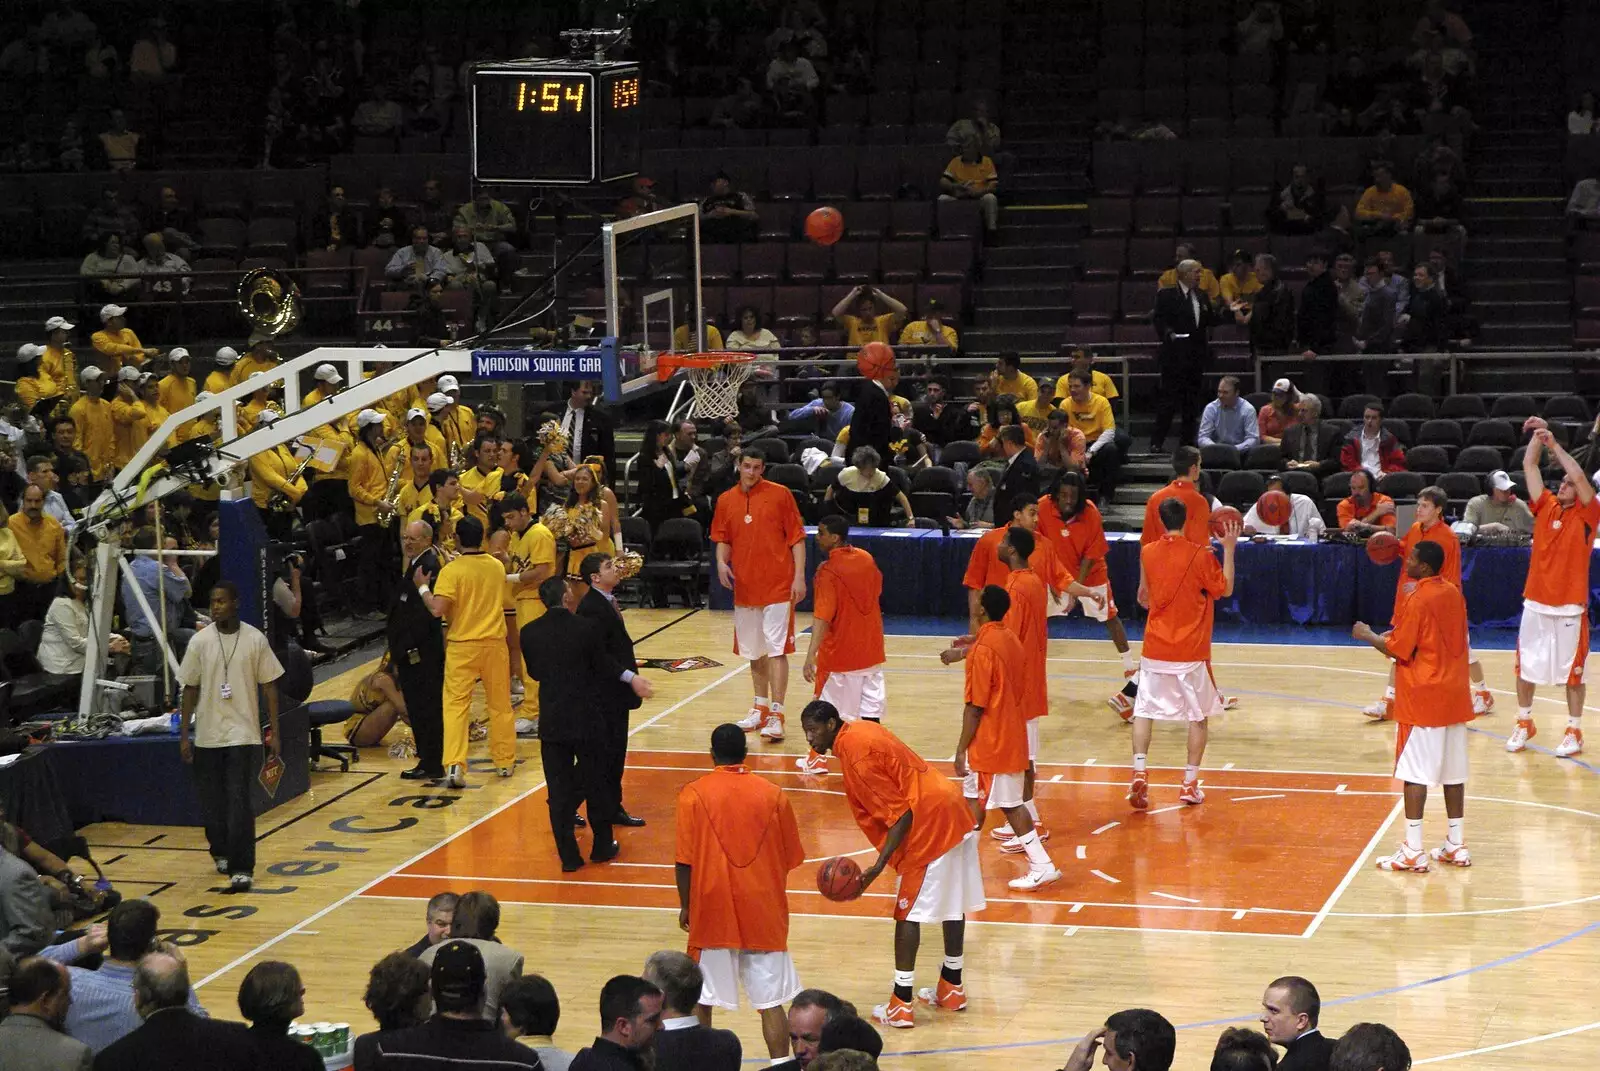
x=26, y=919
x=476, y=919
x=31, y=1037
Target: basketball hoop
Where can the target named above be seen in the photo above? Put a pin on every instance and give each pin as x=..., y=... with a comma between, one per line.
x=715, y=376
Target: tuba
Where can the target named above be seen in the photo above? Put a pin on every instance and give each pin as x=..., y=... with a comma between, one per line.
x=270, y=301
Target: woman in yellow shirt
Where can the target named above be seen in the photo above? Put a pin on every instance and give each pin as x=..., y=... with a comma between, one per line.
x=591, y=510
x=378, y=706
x=33, y=383
x=12, y=563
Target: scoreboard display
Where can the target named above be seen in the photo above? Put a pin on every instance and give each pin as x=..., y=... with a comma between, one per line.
x=555, y=122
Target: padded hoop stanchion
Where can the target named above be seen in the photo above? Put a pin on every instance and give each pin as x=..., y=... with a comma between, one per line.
x=716, y=377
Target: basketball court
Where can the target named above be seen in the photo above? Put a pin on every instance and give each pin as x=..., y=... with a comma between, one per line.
x=1187, y=910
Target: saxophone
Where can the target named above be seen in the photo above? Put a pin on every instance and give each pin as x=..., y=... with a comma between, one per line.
x=391, y=496
x=278, y=502
x=69, y=368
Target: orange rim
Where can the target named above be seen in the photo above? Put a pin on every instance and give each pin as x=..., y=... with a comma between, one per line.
x=668, y=363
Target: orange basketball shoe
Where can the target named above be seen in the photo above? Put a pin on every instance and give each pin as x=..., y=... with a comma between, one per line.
x=1139, y=792
x=946, y=996
x=897, y=1013
x=1122, y=705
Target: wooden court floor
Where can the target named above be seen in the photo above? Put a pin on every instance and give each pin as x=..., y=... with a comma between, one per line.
x=1186, y=910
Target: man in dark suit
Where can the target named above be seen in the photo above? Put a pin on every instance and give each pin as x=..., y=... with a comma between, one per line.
x=618, y=697
x=684, y=1043
x=416, y=653
x=1289, y=1011
x=567, y=655
x=173, y=1038
x=1182, y=316
x=630, y=1020
x=1310, y=445
x=872, y=424
x=588, y=428
x=1020, y=481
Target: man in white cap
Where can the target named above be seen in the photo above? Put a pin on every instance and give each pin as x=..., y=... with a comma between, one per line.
x=455, y=448
x=177, y=390
x=128, y=414
x=250, y=412
x=368, y=482
x=221, y=377
x=416, y=490
x=330, y=493
x=91, y=416
x=58, y=361
x=329, y=383
x=419, y=433
x=459, y=419
x=117, y=344
x=273, y=470
x=1500, y=511
x=261, y=358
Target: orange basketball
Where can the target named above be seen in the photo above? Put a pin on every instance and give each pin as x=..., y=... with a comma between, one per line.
x=839, y=879
x=1383, y=547
x=825, y=225
x=875, y=360
x=1274, y=508
x=1222, y=516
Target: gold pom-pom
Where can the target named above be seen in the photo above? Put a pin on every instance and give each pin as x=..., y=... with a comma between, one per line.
x=629, y=562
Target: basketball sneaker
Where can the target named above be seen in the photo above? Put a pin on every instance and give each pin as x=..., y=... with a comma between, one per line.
x=897, y=1013
x=947, y=996
x=1454, y=854
x=813, y=764
x=1405, y=859
x=1139, y=792
x=772, y=731
x=1482, y=702
x=1230, y=702
x=1122, y=705
x=455, y=776
x=1380, y=709
x=1520, y=736
x=1571, y=743
x=1003, y=833
x=754, y=720
x=1035, y=879
x=1014, y=845
x=1191, y=794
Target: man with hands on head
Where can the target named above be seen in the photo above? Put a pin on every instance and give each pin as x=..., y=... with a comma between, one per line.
x=1136, y=1039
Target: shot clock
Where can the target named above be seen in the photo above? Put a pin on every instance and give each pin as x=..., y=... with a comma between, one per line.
x=555, y=122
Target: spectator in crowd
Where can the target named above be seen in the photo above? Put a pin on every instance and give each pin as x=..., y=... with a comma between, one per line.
x=153, y=60
x=1398, y=286
x=1581, y=120
x=154, y=577
x=12, y=565
x=1583, y=206
x=490, y=221
x=378, y=116
x=119, y=144
x=109, y=217
x=476, y=918
x=630, y=1017
x=1305, y=520
x=932, y=330
x=727, y=214
x=530, y=1011
x=858, y=314
x=1182, y=321
x=416, y=266
x=1499, y=511
x=979, y=510
x=438, y=76
x=792, y=81
x=172, y=1036
x=740, y=109
x=1317, y=320
x=174, y=222
x=425, y=113
x=1060, y=445
x=270, y=998
x=851, y=1034
x=44, y=545
x=27, y=919
x=1460, y=324
x=971, y=176
x=750, y=336
x=977, y=129
x=1370, y=1047
x=1240, y=285
x=115, y=269
x=31, y=1038
x=458, y=1029
x=1352, y=88
x=939, y=419
x=1206, y=281
x=1301, y=207
x=1002, y=413
x=683, y=1042
x=1290, y=1008
x=1372, y=446
x=1239, y=1049
x=434, y=212
x=158, y=261
x=470, y=266
x=1364, y=510
x=398, y=997
x=1385, y=208
x=1229, y=419
x=1009, y=378
x=41, y=472
x=809, y=1014
x=827, y=411
x=1018, y=482
x=1424, y=327
x=335, y=226
x=385, y=226
x=440, y=913
x=1439, y=97
x=1270, y=318
x=1135, y=1040
x=1036, y=412
x=1348, y=287
x=865, y=494
x=1310, y=444
x=642, y=198
x=1439, y=208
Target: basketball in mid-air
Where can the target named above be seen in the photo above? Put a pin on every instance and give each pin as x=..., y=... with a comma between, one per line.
x=875, y=360
x=1273, y=508
x=839, y=878
x=825, y=225
x=1222, y=516
x=1383, y=547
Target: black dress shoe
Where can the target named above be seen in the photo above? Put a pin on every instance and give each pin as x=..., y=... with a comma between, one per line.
x=623, y=818
x=605, y=855
x=420, y=773
x=568, y=866
x=578, y=821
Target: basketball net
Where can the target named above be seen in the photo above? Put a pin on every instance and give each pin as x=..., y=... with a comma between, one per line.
x=714, y=377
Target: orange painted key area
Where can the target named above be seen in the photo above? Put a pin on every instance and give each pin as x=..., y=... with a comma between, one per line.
x=1264, y=854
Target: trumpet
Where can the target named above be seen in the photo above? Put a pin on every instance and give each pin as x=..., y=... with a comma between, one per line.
x=278, y=502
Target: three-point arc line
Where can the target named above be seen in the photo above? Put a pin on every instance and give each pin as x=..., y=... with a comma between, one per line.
x=1103, y=876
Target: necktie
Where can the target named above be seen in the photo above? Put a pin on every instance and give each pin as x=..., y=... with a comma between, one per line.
x=573, y=426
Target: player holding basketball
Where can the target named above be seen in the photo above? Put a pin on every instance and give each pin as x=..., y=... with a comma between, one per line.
x=916, y=819
x=1433, y=703
x=1069, y=521
x=1182, y=582
x=737, y=842
x=1553, y=640
x=992, y=752
x=1430, y=525
x=845, y=659
x=761, y=555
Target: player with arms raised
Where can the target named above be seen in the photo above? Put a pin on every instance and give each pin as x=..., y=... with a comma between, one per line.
x=845, y=659
x=761, y=555
x=915, y=817
x=1553, y=640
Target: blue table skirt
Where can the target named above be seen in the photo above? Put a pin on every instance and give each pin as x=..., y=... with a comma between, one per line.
x=1277, y=583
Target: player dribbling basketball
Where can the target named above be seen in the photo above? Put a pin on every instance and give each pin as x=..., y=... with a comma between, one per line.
x=845, y=659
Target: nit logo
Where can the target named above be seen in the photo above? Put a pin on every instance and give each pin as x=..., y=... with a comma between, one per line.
x=905, y=905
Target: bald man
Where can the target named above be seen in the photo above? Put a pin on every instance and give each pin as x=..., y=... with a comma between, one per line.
x=172, y=1037
x=416, y=653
